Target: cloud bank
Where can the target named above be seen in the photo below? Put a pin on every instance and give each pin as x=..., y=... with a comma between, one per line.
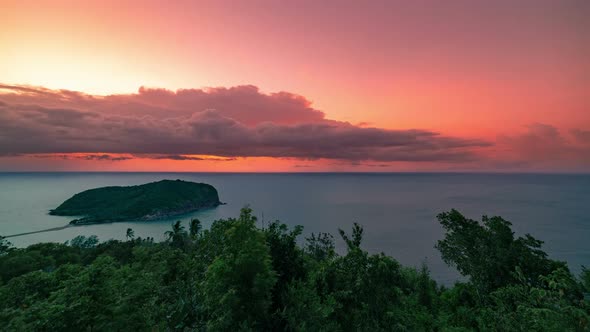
x=226, y=122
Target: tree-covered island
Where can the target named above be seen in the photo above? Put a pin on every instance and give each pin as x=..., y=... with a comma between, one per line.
x=149, y=201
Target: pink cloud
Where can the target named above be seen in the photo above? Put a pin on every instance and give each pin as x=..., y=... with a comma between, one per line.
x=545, y=146
x=245, y=104
x=228, y=122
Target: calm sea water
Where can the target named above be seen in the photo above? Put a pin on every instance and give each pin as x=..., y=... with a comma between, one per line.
x=398, y=211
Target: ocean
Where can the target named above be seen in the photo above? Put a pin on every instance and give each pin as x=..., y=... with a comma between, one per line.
x=397, y=210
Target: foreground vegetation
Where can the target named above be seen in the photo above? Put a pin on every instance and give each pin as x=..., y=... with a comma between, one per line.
x=236, y=276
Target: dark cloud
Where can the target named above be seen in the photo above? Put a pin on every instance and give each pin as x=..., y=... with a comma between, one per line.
x=582, y=136
x=101, y=157
x=357, y=163
x=116, y=157
x=302, y=166
x=378, y=165
x=225, y=122
x=105, y=157
x=184, y=157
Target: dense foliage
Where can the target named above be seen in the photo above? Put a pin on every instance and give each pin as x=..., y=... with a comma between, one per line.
x=236, y=276
x=146, y=201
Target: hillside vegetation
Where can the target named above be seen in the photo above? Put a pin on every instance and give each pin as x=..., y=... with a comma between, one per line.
x=237, y=276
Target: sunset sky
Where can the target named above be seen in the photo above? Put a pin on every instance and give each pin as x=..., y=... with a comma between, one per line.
x=296, y=86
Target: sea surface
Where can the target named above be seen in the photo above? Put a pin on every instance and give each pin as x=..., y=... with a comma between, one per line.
x=398, y=210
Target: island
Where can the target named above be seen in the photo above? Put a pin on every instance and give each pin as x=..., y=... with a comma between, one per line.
x=151, y=201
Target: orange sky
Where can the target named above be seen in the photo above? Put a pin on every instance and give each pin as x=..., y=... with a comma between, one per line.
x=469, y=69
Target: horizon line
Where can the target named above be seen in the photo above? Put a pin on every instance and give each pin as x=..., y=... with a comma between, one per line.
x=310, y=172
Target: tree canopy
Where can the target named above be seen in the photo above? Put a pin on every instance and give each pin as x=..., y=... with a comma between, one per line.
x=239, y=276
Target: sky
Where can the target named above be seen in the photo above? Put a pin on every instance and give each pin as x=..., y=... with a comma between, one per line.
x=298, y=86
